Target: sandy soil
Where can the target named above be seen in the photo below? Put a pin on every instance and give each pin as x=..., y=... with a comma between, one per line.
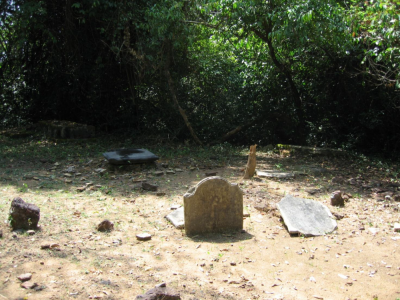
x=361, y=260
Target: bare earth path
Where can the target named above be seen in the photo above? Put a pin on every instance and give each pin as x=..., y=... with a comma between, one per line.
x=361, y=260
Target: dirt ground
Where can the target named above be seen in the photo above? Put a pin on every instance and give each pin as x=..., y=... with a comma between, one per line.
x=360, y=260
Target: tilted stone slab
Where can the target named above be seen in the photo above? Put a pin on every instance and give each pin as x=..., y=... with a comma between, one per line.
x=130, y=156
x=213, y=205
x=177, y=218
x=306, y=216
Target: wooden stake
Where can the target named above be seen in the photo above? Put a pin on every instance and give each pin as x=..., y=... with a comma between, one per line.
x=251, y=163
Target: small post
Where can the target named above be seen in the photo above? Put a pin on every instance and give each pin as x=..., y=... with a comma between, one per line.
x=251, y=163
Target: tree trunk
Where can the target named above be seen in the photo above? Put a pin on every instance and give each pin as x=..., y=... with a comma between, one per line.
x=181, y=111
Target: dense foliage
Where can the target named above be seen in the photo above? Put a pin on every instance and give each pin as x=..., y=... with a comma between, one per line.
x=301, y=71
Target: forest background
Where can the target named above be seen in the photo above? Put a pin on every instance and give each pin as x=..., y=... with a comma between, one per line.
x=320, y=73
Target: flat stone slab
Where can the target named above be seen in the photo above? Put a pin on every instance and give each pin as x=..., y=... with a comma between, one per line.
x=274, y=174
x=177, y=218
x=130, y=156
x=306, y=216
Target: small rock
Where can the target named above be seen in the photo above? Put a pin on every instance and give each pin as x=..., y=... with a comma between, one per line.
x=1, y=234
x=175, y=207
x=68, y=181
x=396, y=227
x=265, y=207
x=170, y=172
x=396, y=197
x=143, y=236
x=25, y=277
x=29, y=285
x=161, y=291
x=149, y=187
x=160, y=194
x=337, y=216
x=23, y=215
x=101, y=171
x=233, y=263
x=158, y=173
x=208, y=174
x=68, y=175
x=105, y=225
x=337, y=199
x=164, y=165
x=178, y=170
x=31, y=232
x=337, y=180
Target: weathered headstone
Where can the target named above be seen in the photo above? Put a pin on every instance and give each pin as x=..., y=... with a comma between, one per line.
x=23, y=215
x=305, y=216
x=177, y=218
x=130, y=156
x=213, y=205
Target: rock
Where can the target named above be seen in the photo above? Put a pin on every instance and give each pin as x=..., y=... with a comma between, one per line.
x=149, y=187
x=105, y=225
x=338, y=216
x=164, y=165
x=177, y=218
x=143, y=236
x=170, y=172
x=178, y=170
x=337, y=199
x=338, y=180
x=160, y=292
x=396, y=227
x=1, y=234
x=158, y=173
x=23, y=215
x=306, y=217
x=396, y=197
x=31, y=232
x=160, y=194
x=213, y=205
x=25, y=277
x=175, y=206
x=101, y=171
x=209, y=174
x=130, y=156
x=265, y=207
x=29, y=285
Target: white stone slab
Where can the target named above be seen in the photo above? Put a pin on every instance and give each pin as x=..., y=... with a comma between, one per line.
x=177, y=218
x=306, y=216
x=274, y=174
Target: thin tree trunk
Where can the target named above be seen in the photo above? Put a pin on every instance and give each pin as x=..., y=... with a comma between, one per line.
x=181, y=110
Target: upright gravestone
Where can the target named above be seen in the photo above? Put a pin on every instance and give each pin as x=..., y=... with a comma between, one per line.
x=213, y=205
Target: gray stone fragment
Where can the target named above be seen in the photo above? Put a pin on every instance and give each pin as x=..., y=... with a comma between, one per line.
x=274, y=174
x=23, y=215
x=213, y=205
x=305, y=216
x=177, y=218
x=130, y=156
